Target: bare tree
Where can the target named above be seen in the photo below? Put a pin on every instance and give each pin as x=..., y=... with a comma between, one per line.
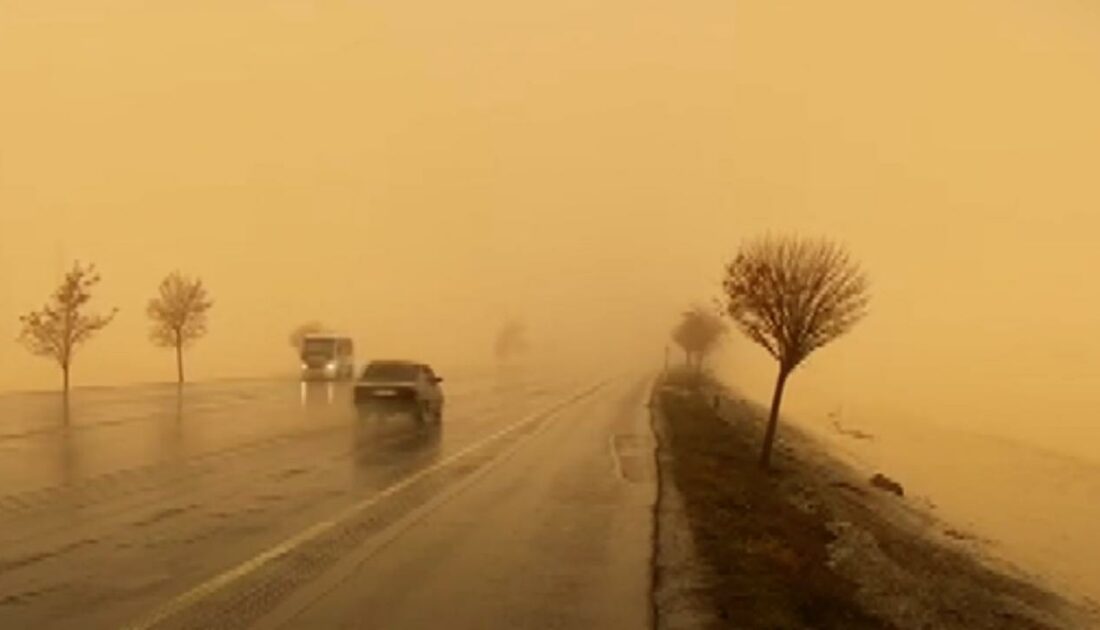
x=301, y=331
x=59, y=327
x=792, y=296
x=698, y=334
x=179, y=314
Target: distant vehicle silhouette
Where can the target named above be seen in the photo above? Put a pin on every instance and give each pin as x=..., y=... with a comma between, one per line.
x=327, y=357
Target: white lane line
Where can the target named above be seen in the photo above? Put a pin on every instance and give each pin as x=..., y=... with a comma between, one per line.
x=616, y=462
x=617, y=441
x=219, y=581
x=284, y=614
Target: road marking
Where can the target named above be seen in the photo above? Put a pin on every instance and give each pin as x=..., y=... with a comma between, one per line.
x=283, y=614
x=287, y=546
x=632, y=442
x=617, y=465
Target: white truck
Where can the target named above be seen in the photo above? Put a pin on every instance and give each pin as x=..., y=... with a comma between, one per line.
x=327, y=357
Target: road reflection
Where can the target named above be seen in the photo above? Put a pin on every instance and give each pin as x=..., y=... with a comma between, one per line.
x=69, y=463
x=170, y=433
x=313, y=393
x=393, y=438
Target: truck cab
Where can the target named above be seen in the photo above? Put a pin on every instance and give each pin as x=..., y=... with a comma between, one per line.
x=327, y=357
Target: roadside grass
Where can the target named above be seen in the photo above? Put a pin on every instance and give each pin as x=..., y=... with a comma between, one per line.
x=767, y=558
x=811, y=544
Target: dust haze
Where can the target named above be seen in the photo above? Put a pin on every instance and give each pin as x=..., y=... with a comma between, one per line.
x=418, y=174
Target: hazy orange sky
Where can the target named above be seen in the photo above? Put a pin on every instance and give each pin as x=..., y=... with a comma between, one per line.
x=417, y=172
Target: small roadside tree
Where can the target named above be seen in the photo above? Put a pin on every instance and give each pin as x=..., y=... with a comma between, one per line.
x=697, y=334
x=792, y=296
x=58, y=328
x=178, y=314
x=299, y=333
x=511, y=340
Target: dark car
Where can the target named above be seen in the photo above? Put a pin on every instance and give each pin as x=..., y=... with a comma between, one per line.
x=400, y=386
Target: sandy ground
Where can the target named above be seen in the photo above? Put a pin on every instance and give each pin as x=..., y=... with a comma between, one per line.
x=813, y=544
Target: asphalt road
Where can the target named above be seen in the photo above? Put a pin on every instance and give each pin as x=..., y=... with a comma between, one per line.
x=275, y=505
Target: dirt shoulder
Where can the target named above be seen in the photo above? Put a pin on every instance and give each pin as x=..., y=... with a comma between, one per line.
x=811, y=544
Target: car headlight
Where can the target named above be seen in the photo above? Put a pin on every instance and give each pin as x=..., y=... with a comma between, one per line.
x=330, y=366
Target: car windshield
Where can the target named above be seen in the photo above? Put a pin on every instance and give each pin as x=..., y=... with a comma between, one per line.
x=390, y=371
x=318, y=346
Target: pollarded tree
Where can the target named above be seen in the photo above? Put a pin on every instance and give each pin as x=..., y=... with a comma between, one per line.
x=179, y=314
x=792, y=296
x=58, y=328
x=697, y=334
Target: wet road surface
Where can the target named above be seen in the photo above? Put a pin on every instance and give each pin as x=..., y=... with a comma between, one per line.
x=270, y=504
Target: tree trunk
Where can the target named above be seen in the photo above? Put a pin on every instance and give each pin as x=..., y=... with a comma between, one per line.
x=773, y=418
x=179, y=362
x=65, y=379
